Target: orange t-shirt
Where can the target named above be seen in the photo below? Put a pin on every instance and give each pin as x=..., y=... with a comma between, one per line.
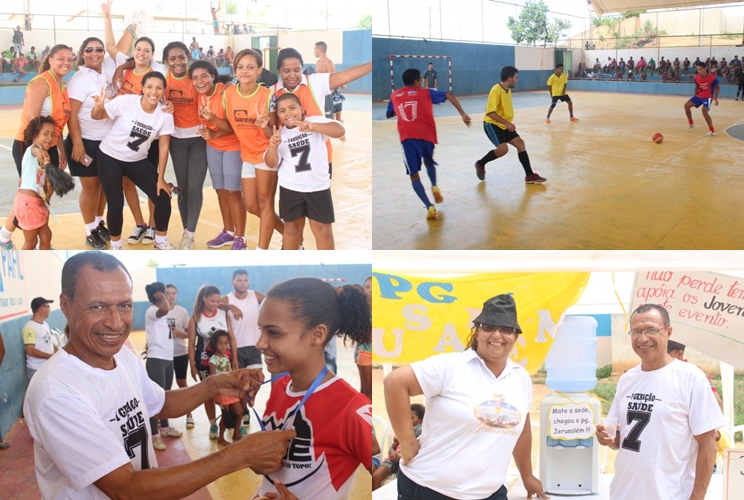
x=59, y=103
x=185, y=99
x=228, y=142
x=241, y=113
x=309, y=104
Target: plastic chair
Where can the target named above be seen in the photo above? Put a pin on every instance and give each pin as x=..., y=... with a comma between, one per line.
x=382, y=431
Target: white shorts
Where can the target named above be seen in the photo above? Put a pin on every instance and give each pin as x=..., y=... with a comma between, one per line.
x=249, y=169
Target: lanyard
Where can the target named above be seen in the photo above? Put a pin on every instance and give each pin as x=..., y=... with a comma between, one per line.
x=307, y=395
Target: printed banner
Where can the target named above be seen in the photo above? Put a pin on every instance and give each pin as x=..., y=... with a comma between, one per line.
x=416, y=317
x=12, y=285
x=706, y=310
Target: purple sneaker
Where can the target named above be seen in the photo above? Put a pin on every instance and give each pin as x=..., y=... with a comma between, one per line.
x=239, y=244
x=221, y=240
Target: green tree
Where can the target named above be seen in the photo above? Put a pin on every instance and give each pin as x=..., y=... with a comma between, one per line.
x=365, y=22
x=533, y=25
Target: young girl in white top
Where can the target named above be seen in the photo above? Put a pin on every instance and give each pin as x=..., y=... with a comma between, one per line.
x=31, y=202
x=304, y=176
x=207, y=319
x=138, y=120
x=232, y=407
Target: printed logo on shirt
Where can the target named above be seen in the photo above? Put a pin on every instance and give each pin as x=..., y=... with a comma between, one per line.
x=127, y=87
x=134, y=431
x=141, y=132
x=176, y=96
x=240, y=116
x=299, y=145
x=497, y=416
x=640, y=408
x=66, y=110
x=299, y=462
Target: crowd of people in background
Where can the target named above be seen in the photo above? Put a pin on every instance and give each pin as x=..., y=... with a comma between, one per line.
x=670, y=71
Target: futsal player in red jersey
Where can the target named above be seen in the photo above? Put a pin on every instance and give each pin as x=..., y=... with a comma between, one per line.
x=706, y=90
x=418, y=132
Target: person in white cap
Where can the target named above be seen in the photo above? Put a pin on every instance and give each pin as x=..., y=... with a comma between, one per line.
x=37, y=336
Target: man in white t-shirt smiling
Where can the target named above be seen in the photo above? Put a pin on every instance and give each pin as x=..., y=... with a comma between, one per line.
x=667, y=419
x=37, y=336
x=87, y=408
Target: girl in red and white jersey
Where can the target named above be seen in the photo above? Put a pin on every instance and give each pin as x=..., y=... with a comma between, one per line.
x=297, y=319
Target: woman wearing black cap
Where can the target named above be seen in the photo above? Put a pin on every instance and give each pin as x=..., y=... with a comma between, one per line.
x=477, y=416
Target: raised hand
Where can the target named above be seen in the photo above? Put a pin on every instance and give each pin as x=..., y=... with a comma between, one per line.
x=99, y=99
x=261, y=119
x=205, y=110
x=276, y=138
x=106, y=8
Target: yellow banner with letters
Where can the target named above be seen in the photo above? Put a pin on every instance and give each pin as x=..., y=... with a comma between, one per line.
x=414, y=317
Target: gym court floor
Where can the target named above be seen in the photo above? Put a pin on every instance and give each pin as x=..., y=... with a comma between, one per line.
x=608, y=185
x=351, y=189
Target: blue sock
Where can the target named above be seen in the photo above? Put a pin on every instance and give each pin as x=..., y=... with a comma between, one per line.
x=421, y=192
x=571, y=115
x=432, y=171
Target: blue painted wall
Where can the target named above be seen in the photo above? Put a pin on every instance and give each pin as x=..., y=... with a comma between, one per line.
x=475, y=67
x=13, y=381
x=684, y=89
x=534, y=80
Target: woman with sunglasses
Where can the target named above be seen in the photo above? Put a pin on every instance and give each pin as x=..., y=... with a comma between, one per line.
x=478, y=404
x=85, y=134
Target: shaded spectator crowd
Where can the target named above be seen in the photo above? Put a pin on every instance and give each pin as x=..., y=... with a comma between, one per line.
x=670, y=71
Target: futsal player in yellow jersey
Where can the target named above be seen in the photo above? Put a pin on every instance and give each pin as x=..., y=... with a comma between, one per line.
x=557, y=88
x=499, y=128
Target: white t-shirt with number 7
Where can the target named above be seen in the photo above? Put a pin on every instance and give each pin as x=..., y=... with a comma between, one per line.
x=660, y=412
x=134, y=129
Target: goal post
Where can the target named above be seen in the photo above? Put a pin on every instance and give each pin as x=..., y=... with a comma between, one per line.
x=409, y=56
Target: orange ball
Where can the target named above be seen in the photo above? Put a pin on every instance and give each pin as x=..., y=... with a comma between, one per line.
x=658, y=138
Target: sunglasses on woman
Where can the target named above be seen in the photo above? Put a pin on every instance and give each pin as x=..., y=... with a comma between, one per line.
x=505, y=330
x=97, y=50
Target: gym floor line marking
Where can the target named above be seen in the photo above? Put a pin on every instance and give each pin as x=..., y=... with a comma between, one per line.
x=5, y=147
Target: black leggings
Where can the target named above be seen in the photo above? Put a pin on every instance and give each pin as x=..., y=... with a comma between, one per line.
x=740, y=89
x=19, y=149
x=144, y=176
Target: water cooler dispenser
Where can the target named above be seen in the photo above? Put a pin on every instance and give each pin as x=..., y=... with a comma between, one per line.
x=569, y=451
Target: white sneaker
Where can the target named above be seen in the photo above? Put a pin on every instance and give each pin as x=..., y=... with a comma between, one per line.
x=189, y=422
x=187, y=241
x=149, y=237
x=709, y=134
x=171, y=432
x=164, y=246
x=689, y=127
x=158, y=443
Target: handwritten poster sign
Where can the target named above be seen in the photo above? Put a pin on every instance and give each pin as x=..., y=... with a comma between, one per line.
x=571, y=421
x=415, y=317
x=733, y=463
x=706, y=310
x=12, y=285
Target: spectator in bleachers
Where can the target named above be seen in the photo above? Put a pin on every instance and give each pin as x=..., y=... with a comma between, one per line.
x=220, y=58
x=8, y=57
x=631, y=64
x=18, y=40
x=613, y=67
x=245, y=29
x=736, y=62
x=651, y=66
x=229, y=58
x=210, y=54
x=19, y=67
x=597, y=66
x=45, y=52
x=33, y=59
x=607, y=65
x=686, y=67
x=723, y=72
x=641, y=67
x=621, y=67
x=630, y=75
